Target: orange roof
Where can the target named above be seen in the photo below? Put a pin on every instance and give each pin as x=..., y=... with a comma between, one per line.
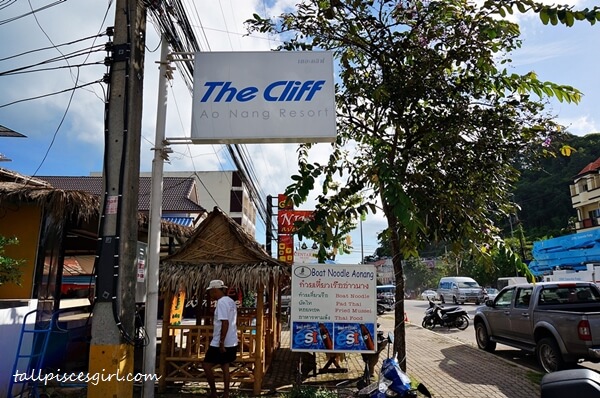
x=595, y=165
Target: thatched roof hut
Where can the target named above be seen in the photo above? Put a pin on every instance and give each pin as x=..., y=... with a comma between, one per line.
x=220, y=249
x=75, y=205
x=61, y=204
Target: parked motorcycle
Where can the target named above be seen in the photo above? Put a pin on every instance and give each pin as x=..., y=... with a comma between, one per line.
x=452, y=317
x=383, y=306
x=392, y=382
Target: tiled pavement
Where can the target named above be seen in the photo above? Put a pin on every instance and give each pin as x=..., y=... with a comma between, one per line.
x=448, y=367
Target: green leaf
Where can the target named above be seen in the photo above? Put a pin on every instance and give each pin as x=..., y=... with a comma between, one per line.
x=569, y=19
x=544, y=16
x=591, y=16
x=559, y=95
x=548, y=91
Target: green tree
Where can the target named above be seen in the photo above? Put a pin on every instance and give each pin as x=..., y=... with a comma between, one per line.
x=543, y=194
x=430, y=120
x=332, y=239
x=420, y=275
x=10, y=269
x=503, y=263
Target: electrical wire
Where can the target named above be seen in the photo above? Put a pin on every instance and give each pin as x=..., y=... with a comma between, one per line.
x=54, y=68
x=197, y=14
x=22, y=71
x=225, y=22
x=76, y=79
x=51, y=94
x=32, y=12
x=63, y=57
x=52, y=47
x=8, y=3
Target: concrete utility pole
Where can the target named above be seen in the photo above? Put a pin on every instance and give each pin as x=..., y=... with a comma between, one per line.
x=111, y=349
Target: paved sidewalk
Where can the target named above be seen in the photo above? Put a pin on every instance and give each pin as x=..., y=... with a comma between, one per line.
x=448, y=367
x=452, y=369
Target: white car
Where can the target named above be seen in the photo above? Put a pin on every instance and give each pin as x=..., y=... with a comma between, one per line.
x=491, y=293
x=429, y=294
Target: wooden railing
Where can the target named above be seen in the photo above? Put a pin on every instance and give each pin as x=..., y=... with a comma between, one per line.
x=183, y=347
x=187, y=346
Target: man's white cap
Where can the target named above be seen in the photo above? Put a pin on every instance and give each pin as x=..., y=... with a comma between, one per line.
x=216, y=284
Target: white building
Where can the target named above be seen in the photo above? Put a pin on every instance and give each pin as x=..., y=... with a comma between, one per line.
x=225, y=190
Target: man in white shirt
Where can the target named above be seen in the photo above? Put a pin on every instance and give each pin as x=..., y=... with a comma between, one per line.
x=224, y=344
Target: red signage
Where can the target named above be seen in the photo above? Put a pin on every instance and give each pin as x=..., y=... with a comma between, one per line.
x=284, y=203
x=285, y=249
x=287, y=218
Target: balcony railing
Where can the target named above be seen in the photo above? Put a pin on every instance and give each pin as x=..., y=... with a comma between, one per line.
x=587, y=223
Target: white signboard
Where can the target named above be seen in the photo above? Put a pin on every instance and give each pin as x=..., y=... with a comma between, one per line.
x=305, y=256
x=257, y=97
x=333, y=308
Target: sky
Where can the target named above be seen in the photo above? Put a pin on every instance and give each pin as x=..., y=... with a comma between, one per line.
x=65, y=131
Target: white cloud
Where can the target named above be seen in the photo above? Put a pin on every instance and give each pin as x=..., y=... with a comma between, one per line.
x=541, y=52
x=581, y=126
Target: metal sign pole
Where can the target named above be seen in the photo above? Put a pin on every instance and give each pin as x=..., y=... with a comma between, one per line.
x=160, y=154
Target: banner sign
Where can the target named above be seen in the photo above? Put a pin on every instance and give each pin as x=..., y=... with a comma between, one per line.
x=258, y=97
x=177, y=304
x=287, y=218
x=285, y=248
x=333, y=308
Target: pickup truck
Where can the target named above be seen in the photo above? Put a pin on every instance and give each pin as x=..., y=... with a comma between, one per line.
x=558, y=321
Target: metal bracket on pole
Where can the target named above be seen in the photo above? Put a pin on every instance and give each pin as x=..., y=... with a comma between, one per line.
x=165, y=150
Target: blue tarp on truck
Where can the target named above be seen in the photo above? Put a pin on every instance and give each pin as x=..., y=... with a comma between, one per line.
x=566, y=252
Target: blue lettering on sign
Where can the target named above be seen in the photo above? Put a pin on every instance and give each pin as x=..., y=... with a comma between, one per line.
x=279, y=91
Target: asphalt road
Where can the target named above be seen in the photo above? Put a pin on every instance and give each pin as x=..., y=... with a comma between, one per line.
x=415, y=310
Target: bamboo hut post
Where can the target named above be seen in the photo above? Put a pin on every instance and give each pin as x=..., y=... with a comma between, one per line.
x=272, y=321
x=164, y=341
x=279, y=314
x=260, y=354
